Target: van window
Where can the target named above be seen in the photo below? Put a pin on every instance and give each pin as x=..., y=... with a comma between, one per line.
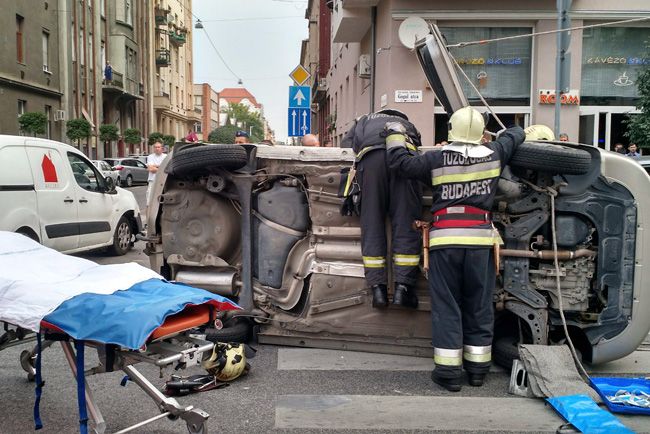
x=14, y=167
x=85, y=174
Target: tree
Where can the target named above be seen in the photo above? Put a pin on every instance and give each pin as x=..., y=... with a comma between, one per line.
x=132, y=136
x=223, y=135
x=240, y=114
x=33, y=123
x=108, y=133
x=169, y=141
x=77, y=129
x=638, y=125
x=156, y=137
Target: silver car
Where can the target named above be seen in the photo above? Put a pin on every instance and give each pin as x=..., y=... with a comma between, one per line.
x=130, y=170
x=107, y=170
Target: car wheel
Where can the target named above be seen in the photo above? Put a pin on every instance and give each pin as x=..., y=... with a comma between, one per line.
x=547, y=157
x=122, y=237
x=232, y=331
x=201, y=159
x=118, y=181
x=505, y=351
x=129, y=181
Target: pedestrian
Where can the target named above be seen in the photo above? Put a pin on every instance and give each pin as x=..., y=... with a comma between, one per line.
x=154, y=161
x=108, y=73
x=619, y=148
x=383, y=193
x=564, y=137
x=632, y=151
x=191, y=137
x=310, y=140
x=464, y=177
x=241, y=137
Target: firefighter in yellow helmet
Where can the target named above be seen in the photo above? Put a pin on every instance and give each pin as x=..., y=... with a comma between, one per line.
x=464, y=176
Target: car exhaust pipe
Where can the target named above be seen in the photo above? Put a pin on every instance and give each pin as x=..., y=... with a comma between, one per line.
x=562, y=255
x=224, y=282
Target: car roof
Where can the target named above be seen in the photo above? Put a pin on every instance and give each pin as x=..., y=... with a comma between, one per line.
x=644, y=161
x=6, y=139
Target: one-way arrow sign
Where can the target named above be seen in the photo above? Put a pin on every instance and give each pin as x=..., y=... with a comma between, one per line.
x=299, y=122
x=299, y=96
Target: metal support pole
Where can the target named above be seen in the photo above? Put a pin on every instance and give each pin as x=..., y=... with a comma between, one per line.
x=93, y=410
x=561, y=81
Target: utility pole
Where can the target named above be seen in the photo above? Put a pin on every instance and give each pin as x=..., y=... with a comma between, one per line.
x=563, y=58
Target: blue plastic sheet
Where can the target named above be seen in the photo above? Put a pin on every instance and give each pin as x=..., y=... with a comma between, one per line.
x=583, y=413
x=608, y=386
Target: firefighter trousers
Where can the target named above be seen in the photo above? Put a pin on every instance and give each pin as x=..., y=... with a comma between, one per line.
x=384, y=193
x=461, y=283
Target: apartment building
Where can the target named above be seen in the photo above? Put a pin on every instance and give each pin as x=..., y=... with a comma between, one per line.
x=206, y=102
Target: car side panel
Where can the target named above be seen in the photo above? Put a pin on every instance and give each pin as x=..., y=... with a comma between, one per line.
x=18, y=205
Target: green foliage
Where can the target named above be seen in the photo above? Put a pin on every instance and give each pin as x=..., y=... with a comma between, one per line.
x=240, y=113
x=77, y=129
x=156, y=137
x=638, y=125
x=223, y=135
x=169, y=140
x=132, y=136
x=33, y=123
x=108, y=133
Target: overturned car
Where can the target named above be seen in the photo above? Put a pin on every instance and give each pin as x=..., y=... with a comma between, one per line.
x=261, y=224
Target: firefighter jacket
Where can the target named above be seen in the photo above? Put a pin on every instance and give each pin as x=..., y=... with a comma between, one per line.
x=463, y=187
x=369, y=132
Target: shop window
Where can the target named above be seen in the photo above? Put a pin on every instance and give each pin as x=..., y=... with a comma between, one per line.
x=612, y=59
x=500, y=70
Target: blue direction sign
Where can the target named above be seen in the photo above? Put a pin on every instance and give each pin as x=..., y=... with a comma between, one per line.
x=299, y=122
x=299, y=96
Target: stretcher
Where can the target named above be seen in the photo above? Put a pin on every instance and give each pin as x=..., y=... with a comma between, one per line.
x=143, y=319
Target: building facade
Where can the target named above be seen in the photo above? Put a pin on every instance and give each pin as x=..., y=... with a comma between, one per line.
x=30, y=68
x=173, y=99
x=516, y=76
x=206, y=102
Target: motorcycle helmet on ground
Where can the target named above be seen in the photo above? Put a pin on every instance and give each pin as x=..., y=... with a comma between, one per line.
x=466, y=125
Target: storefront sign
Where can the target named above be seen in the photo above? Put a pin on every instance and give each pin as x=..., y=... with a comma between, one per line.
x=489, y=61
x=547, y=96
x=408, y=96
x=617, y=60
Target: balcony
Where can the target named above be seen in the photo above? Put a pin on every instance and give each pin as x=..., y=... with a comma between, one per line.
x=162, y=102
x=178, y=37
x=162, y=16
x=351, y=19
x=163, y=58
x=121, y=86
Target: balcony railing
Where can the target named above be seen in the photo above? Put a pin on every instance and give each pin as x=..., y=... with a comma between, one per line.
x=163, y=58
x=178, y=38
x=162, y=16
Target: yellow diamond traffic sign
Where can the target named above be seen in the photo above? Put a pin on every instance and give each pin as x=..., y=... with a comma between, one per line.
x=299, y=75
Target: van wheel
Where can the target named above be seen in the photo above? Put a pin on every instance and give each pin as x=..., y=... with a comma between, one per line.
x=547, y=157
x=201, y=159
x=129, y=181
x=122, y=237
x=28, y=233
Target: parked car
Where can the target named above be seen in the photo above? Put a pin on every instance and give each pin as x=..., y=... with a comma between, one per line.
x=140, y=158
x=261, y=225
x=107, y=170
x=51, y=192
x=645, y=163
x=131, y=171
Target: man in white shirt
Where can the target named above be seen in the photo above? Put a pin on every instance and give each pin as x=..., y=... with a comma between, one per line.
x=153, y=162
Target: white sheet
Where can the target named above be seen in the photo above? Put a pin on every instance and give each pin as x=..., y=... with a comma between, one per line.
x=35, y=280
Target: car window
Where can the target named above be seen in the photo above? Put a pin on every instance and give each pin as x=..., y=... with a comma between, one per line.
x=85, y=174
x=140, y=164
x=105, y=166
x=129, y=163
x=111, y=162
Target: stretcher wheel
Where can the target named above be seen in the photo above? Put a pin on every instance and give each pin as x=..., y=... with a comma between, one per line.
x=27, y=363
x=194, y=429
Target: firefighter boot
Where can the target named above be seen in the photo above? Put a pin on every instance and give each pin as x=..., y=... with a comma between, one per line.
x=475, y=380
x=452, y=384
x=379, y=296
x=405, y=296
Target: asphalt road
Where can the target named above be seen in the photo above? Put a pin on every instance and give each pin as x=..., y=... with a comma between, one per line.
x=296, y=390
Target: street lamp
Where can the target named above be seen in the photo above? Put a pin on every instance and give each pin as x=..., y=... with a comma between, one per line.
x=199, y=24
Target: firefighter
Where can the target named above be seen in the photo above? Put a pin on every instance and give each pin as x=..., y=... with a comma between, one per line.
x=464, y=176
x=384, y=193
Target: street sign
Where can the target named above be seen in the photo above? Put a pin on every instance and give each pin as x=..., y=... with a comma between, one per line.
x=299, y=122
x=299, y=96
x=299, y=75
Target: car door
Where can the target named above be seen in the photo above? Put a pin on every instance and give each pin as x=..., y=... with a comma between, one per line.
x=143, y=172
x=56, y=196
x=95, y=207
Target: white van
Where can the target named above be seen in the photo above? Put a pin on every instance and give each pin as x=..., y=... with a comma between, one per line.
x=52, y=193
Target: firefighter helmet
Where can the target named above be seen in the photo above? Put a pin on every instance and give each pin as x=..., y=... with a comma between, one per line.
x=466, y=125
x=393, y=112
x=227, y=361
x=539, y=132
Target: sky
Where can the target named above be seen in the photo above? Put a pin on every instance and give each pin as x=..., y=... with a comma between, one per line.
x=260, y=42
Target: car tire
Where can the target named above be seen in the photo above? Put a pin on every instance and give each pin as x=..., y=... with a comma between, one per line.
x=201, y=159
x=505, y=351
x=548, y=157
x=118, y=181
x=122, y=237
x=232, y=331
x=129, y=181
